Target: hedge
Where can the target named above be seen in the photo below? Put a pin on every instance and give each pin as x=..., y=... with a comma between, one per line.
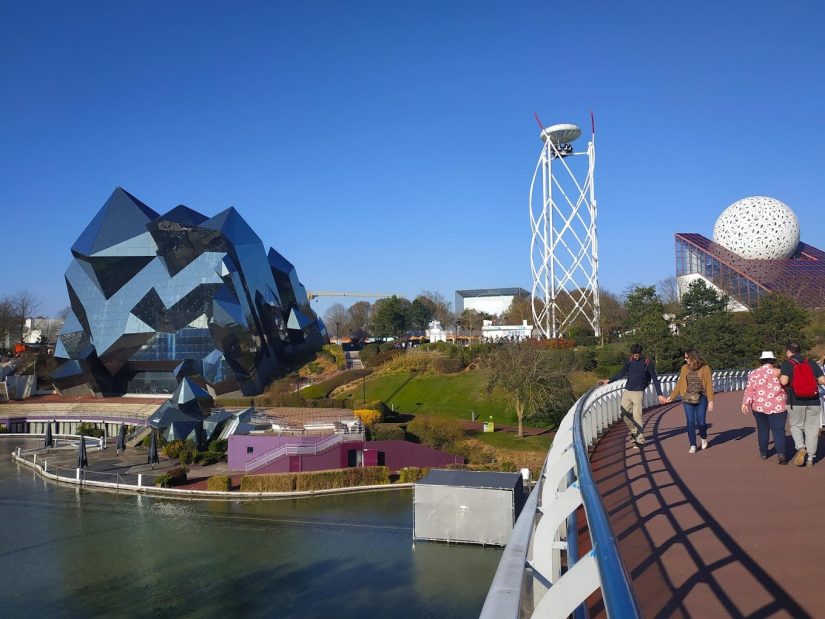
x=411, y=474
x=448, y=365
x=219, y=483
x=388, y=432
x=316, y=480
x=325, y=387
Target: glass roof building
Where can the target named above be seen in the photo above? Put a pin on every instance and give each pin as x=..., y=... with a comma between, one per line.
x=800, y=277
x=156, y=298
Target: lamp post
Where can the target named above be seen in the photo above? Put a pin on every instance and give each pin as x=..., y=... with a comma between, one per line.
x=337, y=337
x=364, y=391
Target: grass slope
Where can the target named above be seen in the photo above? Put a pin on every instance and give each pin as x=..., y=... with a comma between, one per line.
x=446, y=395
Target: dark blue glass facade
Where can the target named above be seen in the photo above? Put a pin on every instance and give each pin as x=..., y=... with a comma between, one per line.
x=156, y=298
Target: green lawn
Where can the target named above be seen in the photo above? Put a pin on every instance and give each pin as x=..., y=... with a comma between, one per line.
x=446, y=395
x=508, y=440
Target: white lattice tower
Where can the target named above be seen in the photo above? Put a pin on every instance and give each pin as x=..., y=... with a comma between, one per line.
x=564, y=250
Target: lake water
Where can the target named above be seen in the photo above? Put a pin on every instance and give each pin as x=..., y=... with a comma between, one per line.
x=68, y=552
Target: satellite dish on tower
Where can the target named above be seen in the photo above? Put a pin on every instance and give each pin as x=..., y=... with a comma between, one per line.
x=561, y=134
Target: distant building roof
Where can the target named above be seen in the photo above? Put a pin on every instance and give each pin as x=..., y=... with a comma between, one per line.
x=471, y=479
x=494, y=292
x=801, y=278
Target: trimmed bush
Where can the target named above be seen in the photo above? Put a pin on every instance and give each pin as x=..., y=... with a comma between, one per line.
x=369, y=417
x=448, y=365
x=316, y=480
x=436, y=432
x=411, y=474
x=219, y=483
x=3, y=429
x=219, y=445
x=385, y=346
x=273, y=482
x=172, y=477
x=388, y=432
x=382, y=358
x=343, y=478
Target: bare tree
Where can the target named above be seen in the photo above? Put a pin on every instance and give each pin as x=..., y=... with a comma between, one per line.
x=442, y=309
x=336, y=318
x=24, y=305
x=358, y=316
x=668, y=291
x=64, y=313
x=8, y=322
x=530, y=382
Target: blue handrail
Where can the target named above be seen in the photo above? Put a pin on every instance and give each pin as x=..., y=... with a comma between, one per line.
x=617, y=592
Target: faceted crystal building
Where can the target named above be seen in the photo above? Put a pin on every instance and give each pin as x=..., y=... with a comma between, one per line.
x=156, y=298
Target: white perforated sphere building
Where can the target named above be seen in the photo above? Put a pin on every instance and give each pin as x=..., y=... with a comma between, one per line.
x=758, y=228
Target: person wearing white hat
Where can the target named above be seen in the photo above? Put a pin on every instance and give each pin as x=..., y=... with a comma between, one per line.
x=766, y=398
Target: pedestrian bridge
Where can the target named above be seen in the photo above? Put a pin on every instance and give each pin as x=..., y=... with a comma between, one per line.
x=659, y=532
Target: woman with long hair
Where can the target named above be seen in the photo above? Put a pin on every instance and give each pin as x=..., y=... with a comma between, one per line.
x=695, y=386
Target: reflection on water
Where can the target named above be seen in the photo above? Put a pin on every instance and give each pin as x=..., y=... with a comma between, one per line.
x=72, y=553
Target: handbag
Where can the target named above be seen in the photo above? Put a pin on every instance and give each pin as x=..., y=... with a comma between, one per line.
x=691, y=396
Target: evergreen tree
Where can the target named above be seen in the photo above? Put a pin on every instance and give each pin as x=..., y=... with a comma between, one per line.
x=777, y=321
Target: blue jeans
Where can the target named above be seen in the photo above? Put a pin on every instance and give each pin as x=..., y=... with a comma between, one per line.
x=695, y=415
x=775, y=424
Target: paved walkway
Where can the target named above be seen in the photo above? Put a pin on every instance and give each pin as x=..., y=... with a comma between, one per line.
x=718, y=533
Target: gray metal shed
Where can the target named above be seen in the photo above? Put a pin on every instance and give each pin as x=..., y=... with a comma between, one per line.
x=472, y=507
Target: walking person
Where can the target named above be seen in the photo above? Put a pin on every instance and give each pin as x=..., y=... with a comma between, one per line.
x=801, y=377
x=765, y=396
x=639, y=372
x=695, y=386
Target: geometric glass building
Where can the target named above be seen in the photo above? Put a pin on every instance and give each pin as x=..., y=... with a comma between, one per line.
x=755, y=251
x=156, y=298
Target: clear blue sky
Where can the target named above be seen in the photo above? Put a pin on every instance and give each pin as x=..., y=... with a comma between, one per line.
x=389, y=146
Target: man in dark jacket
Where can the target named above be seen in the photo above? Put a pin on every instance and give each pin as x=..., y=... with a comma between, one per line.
x=639, y=372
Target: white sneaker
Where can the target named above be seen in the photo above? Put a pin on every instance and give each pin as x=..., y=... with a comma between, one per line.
x=692, y=449
x=704, y=443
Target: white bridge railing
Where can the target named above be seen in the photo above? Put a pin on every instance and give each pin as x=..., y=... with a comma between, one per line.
x=540, y=573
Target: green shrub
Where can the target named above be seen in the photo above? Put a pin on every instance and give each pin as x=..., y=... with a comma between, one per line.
x=385, y=346
x=208, y=457
x=585, y=360
x=448, y=365
x=219, y=483
x=89, y=429
x=172, y=477
x=411, y=474
x=176, y=448
x=219, y=445
x=367, y=353
x=337, y=354
x=3, y=429
x=388, y=432
x=436, y=432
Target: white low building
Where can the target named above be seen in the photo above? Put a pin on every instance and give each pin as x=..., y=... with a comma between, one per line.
x=435, y=332
x=492, y=332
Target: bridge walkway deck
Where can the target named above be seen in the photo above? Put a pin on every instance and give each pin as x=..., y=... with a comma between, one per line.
x=720, y=532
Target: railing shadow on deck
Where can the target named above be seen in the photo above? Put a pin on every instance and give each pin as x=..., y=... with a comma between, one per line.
x=640, y=492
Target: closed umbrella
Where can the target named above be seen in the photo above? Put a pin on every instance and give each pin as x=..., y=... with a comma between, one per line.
x=153, y=450
x=48, y=441
x=82, y=461
x=121, y=439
